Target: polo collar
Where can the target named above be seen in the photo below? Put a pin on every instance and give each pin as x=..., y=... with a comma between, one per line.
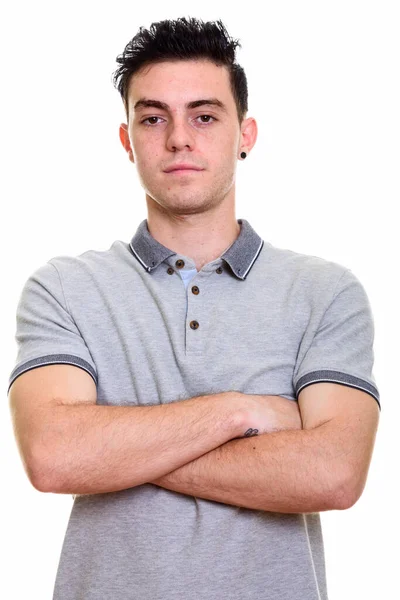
x=240, y=256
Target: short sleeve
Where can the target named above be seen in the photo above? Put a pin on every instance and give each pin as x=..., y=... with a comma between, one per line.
x=46, y=333
x=341, y=350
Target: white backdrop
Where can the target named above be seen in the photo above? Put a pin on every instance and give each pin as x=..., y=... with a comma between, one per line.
x=322, y=179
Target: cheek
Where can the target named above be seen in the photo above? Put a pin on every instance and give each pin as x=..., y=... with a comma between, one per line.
x=226, y=146
x=225, y=155
x=147, y=156
x=146, y=145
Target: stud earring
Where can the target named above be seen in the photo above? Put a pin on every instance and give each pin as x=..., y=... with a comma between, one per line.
x=243, y=154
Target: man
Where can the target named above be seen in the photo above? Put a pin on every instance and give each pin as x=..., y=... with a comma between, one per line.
x=201, y=393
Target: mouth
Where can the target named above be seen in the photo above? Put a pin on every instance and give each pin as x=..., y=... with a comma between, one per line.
x=183, y=171
x=180, y=167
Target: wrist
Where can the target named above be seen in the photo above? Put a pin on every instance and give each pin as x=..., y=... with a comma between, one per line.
x=236, y=417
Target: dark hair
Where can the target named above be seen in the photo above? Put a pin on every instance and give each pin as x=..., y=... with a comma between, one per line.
x=182, y=39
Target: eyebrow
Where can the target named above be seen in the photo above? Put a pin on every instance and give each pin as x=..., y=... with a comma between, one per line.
x=147, y=103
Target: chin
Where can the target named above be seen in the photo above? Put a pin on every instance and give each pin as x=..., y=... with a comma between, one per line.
x=182, y=206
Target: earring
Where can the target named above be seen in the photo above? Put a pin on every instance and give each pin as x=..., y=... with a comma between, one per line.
x=243, y=154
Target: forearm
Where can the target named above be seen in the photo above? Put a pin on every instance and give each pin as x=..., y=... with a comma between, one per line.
x=97, y=449
x=287, y=471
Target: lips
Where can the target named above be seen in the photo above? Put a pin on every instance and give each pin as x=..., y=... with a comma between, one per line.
x=182, y=167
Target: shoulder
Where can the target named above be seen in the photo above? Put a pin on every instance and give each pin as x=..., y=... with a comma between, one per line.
x=306, y=269
x=91, y=263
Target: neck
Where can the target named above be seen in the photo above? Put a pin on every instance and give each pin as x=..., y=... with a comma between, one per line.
x=203, y=237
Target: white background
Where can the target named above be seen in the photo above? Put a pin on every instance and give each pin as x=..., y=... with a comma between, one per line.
x=322, y=179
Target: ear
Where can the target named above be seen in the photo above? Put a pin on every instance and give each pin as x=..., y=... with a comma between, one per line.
x=125, y=141
x=248, y=135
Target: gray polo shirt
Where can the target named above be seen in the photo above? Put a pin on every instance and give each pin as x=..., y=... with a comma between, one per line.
x=150, y=329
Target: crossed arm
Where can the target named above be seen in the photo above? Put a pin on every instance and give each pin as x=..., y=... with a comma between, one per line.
x=320, y=465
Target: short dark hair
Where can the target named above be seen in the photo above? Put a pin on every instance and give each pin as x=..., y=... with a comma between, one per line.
x=182, y=39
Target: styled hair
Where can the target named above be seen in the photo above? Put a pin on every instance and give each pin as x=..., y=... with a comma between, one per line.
x=182, y=39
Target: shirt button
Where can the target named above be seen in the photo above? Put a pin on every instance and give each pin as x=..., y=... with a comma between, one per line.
x=180, y=263
x=170, y=270
x=195, y=290
x=219, y=270
x=194, y=324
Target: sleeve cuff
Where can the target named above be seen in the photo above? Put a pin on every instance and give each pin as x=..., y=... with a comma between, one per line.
x=52, y=359
x=337, y=377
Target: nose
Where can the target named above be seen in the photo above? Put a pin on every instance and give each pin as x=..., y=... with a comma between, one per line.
x=179, y=135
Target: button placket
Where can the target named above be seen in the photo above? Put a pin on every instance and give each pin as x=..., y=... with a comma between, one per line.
x=194, y=324
x=195, y=342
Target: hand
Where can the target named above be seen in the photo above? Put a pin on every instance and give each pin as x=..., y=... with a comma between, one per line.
x=266, y=414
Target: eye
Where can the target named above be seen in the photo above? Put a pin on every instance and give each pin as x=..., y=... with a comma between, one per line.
x=208, y=117
x=148, y=119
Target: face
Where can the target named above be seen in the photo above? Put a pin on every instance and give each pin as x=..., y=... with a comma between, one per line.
x=170, y=131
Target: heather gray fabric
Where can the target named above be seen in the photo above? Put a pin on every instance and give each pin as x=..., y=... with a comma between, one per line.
x=270, y=321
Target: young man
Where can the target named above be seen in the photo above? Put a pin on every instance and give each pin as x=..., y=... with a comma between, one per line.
x=201, y=393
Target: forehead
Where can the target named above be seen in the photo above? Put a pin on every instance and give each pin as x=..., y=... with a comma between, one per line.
x=180, y=81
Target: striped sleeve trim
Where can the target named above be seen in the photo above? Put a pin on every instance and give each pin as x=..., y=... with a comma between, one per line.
x=337, y=377
x=52, y=359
